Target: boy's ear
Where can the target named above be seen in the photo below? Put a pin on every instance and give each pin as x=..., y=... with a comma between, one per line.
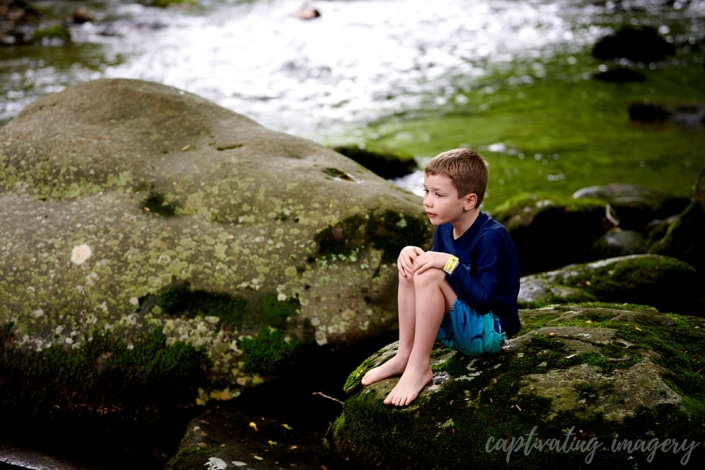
x=470, y=201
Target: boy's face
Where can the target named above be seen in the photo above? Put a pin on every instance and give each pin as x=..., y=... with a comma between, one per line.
x=441, y=200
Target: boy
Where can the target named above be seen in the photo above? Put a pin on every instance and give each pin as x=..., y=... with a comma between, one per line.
x=464, y=291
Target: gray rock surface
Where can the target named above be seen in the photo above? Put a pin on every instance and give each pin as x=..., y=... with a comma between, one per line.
x=128, y=205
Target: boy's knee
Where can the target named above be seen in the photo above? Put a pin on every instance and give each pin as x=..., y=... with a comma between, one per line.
x=430, y=277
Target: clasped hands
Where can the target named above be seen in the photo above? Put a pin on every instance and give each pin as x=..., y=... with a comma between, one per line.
x=413, y=260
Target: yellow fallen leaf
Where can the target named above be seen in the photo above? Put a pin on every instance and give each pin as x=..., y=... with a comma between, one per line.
x=272, y=443
x=287, y=427
x=253, y=426
x=257, y=457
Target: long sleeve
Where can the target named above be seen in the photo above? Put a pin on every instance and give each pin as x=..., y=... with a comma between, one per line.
x=487, y=278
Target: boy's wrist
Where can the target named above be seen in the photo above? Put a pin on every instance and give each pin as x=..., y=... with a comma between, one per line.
x=451, y=264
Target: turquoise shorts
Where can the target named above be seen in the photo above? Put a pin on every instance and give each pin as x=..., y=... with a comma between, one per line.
x=465, y=330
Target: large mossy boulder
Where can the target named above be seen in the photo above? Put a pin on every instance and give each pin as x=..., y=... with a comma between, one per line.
x=130, y=207
x=552, y=232
x=663, y=282
x=633, y=207
x=642, y=44
x=595, y=223
x=601, y=386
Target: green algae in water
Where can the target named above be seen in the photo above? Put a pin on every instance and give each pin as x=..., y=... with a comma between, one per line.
x=562, y=131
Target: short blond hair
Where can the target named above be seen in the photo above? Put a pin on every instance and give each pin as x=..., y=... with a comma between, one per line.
x=466, y=169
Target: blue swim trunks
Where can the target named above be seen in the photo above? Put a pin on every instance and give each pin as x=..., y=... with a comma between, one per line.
x=465, y=330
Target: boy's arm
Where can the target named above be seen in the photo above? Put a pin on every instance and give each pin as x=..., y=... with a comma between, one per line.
x=430, y=260
x=476, y=279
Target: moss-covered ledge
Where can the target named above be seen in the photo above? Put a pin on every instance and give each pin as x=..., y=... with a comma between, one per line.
x=104, y=383
x=591, y=384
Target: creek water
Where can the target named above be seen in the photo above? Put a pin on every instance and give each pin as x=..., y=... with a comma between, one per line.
x=358, y=61
x=343, y=76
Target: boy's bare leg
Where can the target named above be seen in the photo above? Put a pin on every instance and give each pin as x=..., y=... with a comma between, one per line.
x=434, y=297
x=407, y=323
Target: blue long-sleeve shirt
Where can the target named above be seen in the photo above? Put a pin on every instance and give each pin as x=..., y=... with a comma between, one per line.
x=487, y=278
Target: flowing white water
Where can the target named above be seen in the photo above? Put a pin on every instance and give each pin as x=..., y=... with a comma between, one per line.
x=358, y=61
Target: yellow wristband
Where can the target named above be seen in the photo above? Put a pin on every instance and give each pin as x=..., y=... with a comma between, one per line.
x=451, y=264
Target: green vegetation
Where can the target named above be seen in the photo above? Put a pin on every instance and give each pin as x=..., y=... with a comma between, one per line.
x=181, y=299
x=267, y=353
x=390, y=232
x=562, y=130
x=681, y=351
x=56, y=31
x=102, y=379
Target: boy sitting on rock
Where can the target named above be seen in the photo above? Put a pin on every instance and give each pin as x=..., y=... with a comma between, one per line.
x=464, y=291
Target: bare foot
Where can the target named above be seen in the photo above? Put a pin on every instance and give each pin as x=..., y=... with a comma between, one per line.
x=394, y=366
x=409, y=387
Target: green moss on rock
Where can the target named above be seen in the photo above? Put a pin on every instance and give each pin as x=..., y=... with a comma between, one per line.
x=593, y=377
x=102, y=379
x=389, y=231
x=663, y=282
x=550, y=230
x=267, y=353
x=180, y=299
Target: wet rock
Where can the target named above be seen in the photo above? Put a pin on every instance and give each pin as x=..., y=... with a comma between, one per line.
x=618, y=242
x=599, y=378
x=18, y=22
x=632, y=207
x=663, y=282
x=82, y=15
x=553, y=232
x=160, y=210
x=635, y=44
x=688, y=114
x=647, y=112
x=596, y=222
